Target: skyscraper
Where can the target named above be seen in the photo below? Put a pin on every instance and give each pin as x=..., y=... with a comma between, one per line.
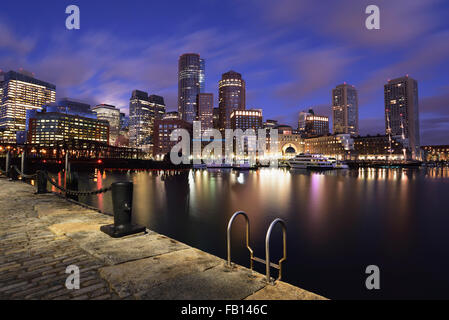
x=402, y=112
x=143, y=111
x=21, y=92
x=345, y=110
x=205, y=111
x=312, y=125
x=191, y=81
x=110, y=114
x=231, y=97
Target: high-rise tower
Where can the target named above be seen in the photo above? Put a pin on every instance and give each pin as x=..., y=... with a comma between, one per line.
x=345, y=110
x=191, y=81
x=231, y=97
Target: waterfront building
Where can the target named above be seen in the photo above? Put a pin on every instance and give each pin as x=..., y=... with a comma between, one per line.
x=205, y=111
x=232, y=96
x=436, y=153
x=378, y=147
x=311, y=125
x=143, y=111
x=290, y=142
x=402, y=112
x=345, y=110
x=20, y=92
x=54, y=129
x=246, y=119
x=111, y=114
x=339, y=146
x=161, y=136
x=191, y=82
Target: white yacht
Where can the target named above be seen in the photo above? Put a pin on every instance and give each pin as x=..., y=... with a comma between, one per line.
x=310, y=161
x=338, y=164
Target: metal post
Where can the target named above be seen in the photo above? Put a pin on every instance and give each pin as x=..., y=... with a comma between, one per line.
x=7, y=163
x=22, y=164
x=122, y=197
x=41, y=182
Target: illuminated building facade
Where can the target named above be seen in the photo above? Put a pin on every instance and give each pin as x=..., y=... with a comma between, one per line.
x=232, y=94
x=246, y=119
x=311, y=125
x=205, y=111
x=143, y=111
x=270, y=124
x=161, y=136
x=345, y=110
x=378, y=148
x=20, y=92
x=402, y=112
x=436, y=153
x=216, y=118
x=170, y=115
x=110, y=114
x=340, y=146
x=191, y=82
x=54, y=128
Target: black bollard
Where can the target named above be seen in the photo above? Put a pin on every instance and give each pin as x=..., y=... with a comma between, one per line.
x=13, y=175
x=41, y=182
x=122, y=197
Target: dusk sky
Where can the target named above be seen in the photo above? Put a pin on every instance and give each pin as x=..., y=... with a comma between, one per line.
x=291, y=53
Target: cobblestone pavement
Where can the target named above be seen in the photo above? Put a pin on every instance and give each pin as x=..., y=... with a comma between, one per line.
x=41, y=235
x=33, y=259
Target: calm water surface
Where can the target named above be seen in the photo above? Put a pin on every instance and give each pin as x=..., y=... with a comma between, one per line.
x=338, y=222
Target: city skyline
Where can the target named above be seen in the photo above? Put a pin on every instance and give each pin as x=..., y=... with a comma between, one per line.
x=281, y=81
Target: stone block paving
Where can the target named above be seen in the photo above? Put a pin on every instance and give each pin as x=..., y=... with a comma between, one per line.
x=33, y=259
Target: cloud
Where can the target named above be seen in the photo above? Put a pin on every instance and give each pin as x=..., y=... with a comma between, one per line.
x=314, y=70
x=401, y=20
x=9, y=41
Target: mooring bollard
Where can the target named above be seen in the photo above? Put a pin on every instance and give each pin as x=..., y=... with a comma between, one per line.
x=41, y=182
x=13, y=175
x=122, y=197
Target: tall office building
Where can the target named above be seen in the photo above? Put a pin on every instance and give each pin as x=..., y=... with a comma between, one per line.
x=20, y=92
x=205, y=111
x=56, y=129
x=312, y=125
x=74, y=106
x=111, y=114
x=143, y=111
x=402, y=112
x=345, y=110
x=191, y=82
x=231, y=97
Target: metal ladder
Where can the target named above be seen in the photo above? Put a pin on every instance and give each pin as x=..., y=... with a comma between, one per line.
x=267, y=261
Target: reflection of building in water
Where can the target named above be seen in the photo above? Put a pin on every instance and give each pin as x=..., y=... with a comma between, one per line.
x=436, y=153
x=378, y=148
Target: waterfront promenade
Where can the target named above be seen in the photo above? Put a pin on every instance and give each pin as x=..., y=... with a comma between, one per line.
x=40, y=235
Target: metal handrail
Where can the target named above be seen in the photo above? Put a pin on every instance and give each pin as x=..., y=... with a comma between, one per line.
x=247, y=237
x=267, y=249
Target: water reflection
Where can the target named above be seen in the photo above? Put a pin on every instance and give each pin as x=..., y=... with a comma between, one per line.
x=336, y=220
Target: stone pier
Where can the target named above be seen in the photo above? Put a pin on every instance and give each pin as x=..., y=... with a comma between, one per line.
x=40, y=235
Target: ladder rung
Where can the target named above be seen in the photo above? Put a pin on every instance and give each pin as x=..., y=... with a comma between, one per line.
x=273, y=265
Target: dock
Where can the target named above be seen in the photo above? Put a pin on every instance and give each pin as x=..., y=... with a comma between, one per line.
x=41, y=235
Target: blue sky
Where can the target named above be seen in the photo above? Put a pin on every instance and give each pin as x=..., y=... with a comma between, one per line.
x=290, y=52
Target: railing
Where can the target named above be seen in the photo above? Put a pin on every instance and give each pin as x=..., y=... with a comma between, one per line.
x=267, y=262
